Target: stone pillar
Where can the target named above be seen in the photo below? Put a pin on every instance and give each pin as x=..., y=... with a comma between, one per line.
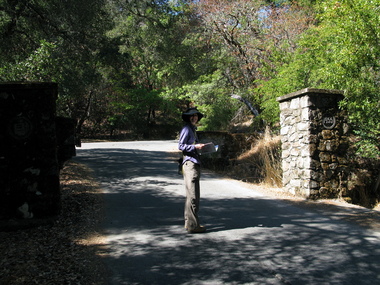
x=314, y=143
x=29, y=171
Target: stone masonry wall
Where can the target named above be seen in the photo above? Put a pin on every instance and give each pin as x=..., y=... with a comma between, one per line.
x=29, y=167
x=231, y=145
x=314, y=143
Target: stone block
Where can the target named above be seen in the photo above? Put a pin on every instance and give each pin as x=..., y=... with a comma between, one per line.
x=342, y=161
x=324, y=166
x=295, y=183
x=306, y=162
x=305, y=115
x=295, y=152
x=345, y=128
x=324, y=156
x=312, y=149
x=333, y=166
x=295, y=103
x=306, y=173
x=315, y=164
x=293, y=137
x=314, y=184
x=327, y=134
x=305, y=151
x=313, y=139
x=285, y=154
x=305, y=102
x=328, y=173
x=332, y=145
x=297, y=115
x=285, y=131
x=322, y=145
x=302, y=127
x=284, y=105
x=316, y=175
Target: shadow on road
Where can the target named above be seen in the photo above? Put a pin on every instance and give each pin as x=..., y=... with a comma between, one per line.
x=250, y=239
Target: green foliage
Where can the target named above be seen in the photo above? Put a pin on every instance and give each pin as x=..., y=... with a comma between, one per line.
x=40, y=65
x=352, y=63
x=342, y=52
x=162, y=53
x=212, y=98
x=138, y=64
x=54, y=41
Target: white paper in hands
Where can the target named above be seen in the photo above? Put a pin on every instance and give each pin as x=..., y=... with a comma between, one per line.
x=208, y=148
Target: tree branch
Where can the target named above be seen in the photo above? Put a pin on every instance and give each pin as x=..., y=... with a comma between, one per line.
x=246, y=102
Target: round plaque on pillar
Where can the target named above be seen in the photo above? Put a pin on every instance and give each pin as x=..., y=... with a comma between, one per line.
x=20, y=127
x=329, y=121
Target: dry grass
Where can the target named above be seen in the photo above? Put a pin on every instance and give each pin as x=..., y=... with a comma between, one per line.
x=262, y=164
x=263, y=159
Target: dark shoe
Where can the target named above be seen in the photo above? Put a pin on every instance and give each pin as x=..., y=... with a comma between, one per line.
x=197, y=230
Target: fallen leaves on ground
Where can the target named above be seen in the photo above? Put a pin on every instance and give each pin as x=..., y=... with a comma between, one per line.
x=67, y=251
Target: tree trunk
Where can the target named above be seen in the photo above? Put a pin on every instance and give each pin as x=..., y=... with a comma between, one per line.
x=84, y=116
x=377, y=184
x=246, y=102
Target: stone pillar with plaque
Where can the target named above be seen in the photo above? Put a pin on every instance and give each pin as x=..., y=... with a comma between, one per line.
x=29, y=171
x=314, y=136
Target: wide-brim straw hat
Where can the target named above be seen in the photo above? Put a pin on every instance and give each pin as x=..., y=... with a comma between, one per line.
x=189, y=112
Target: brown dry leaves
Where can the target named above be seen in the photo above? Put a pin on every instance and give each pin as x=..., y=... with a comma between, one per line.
x=66, y=252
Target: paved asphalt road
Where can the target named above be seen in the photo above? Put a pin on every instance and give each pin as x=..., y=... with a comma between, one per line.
x=251, y=238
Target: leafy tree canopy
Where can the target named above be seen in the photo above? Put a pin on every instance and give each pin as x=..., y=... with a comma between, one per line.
x=132, y=64
x=341, y=52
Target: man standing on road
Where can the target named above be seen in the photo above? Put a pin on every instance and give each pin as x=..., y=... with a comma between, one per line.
x=191, y=168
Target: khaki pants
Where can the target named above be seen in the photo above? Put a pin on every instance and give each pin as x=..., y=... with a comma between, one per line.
x=191, y=175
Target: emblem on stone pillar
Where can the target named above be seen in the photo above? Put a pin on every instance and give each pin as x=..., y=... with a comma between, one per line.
x=329, y=122
x=20, y=127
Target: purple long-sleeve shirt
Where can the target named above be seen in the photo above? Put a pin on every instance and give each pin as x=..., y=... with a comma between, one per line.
x=186, y=143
